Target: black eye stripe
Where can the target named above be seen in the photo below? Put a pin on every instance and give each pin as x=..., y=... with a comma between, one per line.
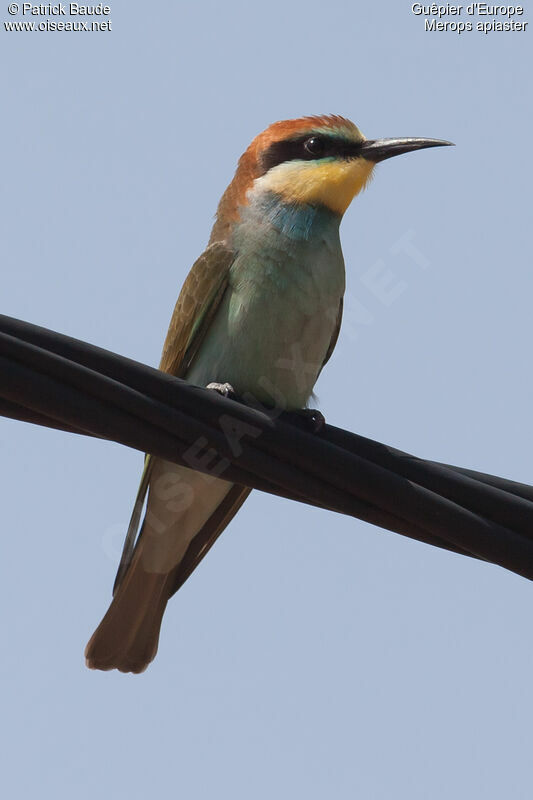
x=318, y=147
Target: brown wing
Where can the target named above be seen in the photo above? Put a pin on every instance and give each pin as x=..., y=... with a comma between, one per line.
x=192, y=316
x=196, y=305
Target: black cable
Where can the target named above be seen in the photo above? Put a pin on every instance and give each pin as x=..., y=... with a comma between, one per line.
x=50, y=379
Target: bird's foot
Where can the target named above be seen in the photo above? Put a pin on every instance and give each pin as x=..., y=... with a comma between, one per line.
x=309, y=419
x=225, y=389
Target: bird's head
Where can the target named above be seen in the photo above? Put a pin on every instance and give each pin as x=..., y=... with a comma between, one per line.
x=322, y=160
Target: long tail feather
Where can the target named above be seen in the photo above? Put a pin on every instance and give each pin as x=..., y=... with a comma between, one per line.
x=135, y=520
x=128, y=635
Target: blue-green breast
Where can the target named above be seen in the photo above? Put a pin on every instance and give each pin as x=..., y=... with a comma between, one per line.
x=275, y=323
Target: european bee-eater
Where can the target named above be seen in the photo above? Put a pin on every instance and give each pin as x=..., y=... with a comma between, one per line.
x=260, y=310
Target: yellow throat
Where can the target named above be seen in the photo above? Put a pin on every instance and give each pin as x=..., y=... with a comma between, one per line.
x=331, y=183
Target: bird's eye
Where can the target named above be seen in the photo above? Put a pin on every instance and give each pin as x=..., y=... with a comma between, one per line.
x=315, y=146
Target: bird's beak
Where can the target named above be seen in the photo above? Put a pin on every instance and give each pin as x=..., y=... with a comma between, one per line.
x=379, y=149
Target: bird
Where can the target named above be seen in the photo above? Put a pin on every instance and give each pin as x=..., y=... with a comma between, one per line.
x=259, y=314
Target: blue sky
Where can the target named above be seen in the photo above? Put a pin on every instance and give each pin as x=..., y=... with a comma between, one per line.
x=310, y=655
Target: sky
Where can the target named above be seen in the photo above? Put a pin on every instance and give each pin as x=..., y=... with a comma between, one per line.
x=310, y=654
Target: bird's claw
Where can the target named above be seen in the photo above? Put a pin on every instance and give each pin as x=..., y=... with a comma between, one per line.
x=310, y=419
x=225, y=389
